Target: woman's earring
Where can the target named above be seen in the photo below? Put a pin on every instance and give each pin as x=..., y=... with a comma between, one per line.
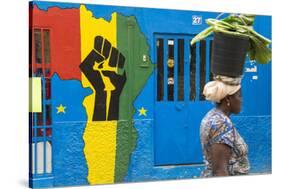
x=228, y=104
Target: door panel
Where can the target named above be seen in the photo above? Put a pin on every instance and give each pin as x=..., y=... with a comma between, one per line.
x=179, y=106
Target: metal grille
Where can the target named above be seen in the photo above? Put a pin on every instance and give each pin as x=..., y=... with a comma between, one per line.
x=41, y=122
x=182, y=70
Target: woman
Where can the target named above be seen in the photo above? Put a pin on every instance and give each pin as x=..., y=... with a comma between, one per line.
x=225, y=152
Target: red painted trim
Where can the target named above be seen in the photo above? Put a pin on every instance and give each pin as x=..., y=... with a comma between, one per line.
x=65, y=53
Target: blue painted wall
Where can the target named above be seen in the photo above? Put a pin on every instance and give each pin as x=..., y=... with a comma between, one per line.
x=254, y=122
x=69, y=164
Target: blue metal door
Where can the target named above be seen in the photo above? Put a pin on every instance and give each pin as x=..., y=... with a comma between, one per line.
x=182, y=71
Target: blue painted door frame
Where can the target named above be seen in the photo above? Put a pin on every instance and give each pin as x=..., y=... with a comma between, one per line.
x=177, y=121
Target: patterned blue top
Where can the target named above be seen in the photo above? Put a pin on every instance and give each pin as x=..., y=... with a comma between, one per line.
x=216, y=127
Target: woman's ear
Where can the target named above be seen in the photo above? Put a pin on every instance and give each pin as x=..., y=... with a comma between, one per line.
x=227, y=100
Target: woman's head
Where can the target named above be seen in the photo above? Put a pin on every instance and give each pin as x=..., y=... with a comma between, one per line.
x=226, y=96
x=232, y=103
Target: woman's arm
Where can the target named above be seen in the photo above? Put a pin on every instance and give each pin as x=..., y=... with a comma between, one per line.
x=220, y=156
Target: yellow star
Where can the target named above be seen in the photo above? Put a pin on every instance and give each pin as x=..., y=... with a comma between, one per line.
x=61, y=109
x=142, y=111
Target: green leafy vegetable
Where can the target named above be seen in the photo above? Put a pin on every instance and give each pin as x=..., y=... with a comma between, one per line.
x=240, y=25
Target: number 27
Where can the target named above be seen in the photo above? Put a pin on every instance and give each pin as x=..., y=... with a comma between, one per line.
x=196, y=20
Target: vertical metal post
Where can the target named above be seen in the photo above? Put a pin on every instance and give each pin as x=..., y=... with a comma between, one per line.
x=44, y=123
x=176, y=69
x=186, y=69
x=165, y=67
x=207, y=60
x=35, y=143
x=197, y=73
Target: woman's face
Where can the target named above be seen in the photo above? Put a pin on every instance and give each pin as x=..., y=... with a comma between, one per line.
x=236, y=102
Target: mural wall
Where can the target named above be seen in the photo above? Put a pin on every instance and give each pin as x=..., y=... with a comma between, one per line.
x=101, y=119
x=111, y=76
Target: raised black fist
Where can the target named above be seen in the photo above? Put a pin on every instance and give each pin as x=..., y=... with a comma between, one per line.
x=104, y=61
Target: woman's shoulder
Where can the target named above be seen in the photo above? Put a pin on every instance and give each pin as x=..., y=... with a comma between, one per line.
x=216, y=127
x=215, y=119
x=215, y=115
